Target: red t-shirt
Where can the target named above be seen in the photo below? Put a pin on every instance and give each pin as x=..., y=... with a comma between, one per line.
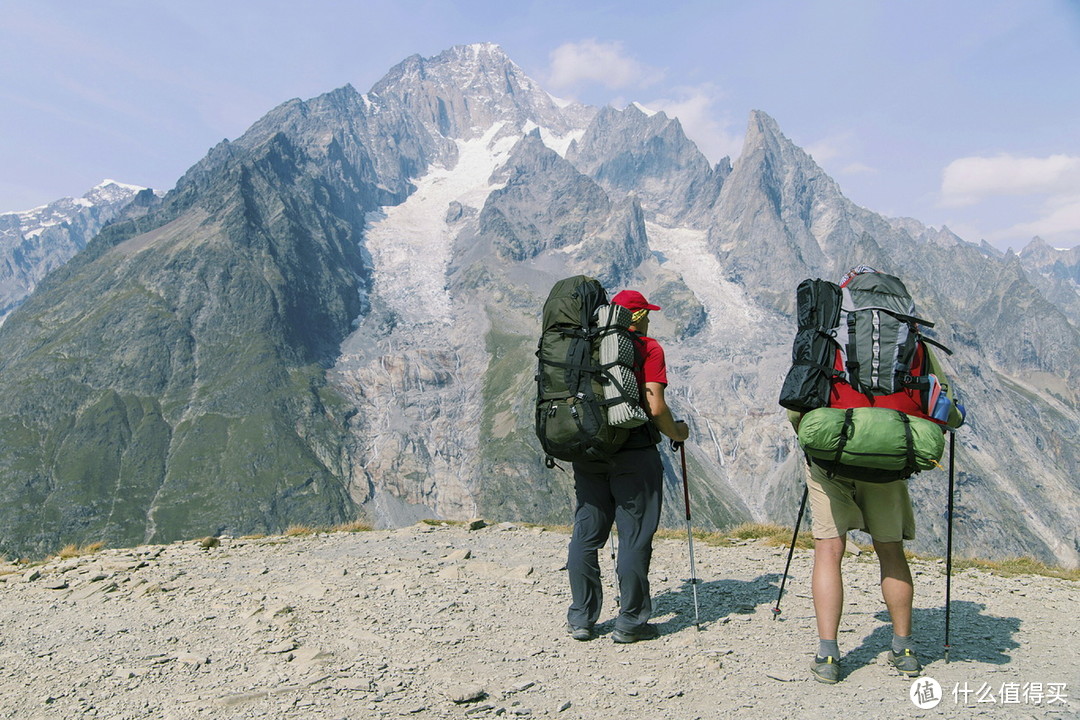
x=907, y=400
x=653, y=368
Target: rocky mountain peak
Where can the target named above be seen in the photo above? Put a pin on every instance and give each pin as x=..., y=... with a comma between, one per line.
x=467, y=89
x=1036, y=244
x=1056, y=271
x=545, y=202
x=760, y=127
x=779, y=213
x=764, y=143
x=989, y=250
x=35, y=242
x=648, y=154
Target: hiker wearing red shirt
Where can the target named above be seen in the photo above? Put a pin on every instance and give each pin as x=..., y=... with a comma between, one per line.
x=626, y=491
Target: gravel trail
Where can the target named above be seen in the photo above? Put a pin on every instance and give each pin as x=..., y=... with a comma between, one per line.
x=446, y=622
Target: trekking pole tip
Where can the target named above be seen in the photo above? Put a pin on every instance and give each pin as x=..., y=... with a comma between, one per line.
x=775, y=613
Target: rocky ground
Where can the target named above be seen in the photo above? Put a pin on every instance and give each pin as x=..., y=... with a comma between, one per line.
x=447, y=622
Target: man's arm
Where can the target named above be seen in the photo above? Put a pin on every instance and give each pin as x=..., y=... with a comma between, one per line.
x=661, y=413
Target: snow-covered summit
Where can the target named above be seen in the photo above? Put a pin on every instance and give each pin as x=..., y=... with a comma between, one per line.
x=34, y=242
x=107, y=191
x=464, y=91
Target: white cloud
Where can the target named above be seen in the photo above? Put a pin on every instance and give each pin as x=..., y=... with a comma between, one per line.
x=1055, y=179
x=971, y=180
x=1059, y=225
x=836, y=151
x=858, y=168
x=607, y=64
x=695, y=108
x=825, y=150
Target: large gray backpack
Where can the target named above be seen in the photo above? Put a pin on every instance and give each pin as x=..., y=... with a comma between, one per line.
x=871, y=321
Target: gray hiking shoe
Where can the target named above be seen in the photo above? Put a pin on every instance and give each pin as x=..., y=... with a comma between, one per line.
x=906, y=663
x=642, y=632
x=580, y=633
x=826, y=669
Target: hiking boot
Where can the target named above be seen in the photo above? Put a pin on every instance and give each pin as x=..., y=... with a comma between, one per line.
x=826, y=669
x=642, y=632
x=580, y=633
x=905, y=662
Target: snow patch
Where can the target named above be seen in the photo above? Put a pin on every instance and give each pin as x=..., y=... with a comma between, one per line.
x=28, y=214
x=644, y=109
x=560, y=143
x=685, y=251
x=125, y=186
x=410, y=244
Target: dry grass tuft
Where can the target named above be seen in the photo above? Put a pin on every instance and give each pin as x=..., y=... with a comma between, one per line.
x=72, y=550
x=1010, y=567
x=354, y=526
x=300, y=530
x=771, y=535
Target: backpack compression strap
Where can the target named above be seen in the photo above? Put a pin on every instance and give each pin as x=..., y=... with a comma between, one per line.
x=909, y=441
x=845, y=432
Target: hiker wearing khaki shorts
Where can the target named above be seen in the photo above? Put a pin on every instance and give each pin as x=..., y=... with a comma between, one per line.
x=883, y=510
x=870, y=398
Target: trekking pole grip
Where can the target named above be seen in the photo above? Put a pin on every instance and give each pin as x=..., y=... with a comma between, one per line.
x=676, y=445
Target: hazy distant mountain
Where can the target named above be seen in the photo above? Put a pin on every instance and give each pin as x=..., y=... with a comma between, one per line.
x=1056, y=272
x=335, y=315
x=35, y=242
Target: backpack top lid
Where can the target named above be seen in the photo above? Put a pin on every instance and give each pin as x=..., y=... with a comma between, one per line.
x=868, y=289
x=857, y=270
x=573, y=301
x=865, y=279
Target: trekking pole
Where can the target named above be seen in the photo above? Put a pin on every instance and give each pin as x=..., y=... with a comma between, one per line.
x=791, y=551
x=689, y=532
x=615, y=572
x=948, y=542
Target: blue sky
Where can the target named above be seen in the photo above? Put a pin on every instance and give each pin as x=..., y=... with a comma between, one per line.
x=963, y=113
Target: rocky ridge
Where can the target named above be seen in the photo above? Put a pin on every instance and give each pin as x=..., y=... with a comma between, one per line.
x=35, y=242
x=436, y=621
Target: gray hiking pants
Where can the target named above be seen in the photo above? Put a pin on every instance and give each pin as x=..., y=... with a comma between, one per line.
x=627, y=492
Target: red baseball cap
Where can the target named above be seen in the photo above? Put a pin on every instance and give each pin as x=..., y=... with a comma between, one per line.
x=633, y=300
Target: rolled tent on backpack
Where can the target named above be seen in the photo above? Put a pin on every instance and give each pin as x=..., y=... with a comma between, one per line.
x=807, y=383
x=868, y=437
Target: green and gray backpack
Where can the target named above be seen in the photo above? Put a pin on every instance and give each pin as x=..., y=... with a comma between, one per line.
x=587, y=396
x=870, y=320
x=861, y=338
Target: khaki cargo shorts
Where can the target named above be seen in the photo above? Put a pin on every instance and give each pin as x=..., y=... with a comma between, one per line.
x=839, y=504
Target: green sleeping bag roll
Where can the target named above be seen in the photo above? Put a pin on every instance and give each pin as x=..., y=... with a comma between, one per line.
x=871, y=437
